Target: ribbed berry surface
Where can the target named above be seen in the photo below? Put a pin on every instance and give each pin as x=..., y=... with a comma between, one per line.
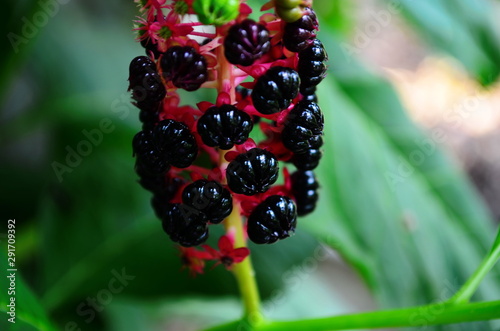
x=298, y=35
x=224, y=126
x=275, y=90
x=149, y=159
x=210, y=198
x=185, y=67
x=305, y=191
x=176, y=142
x=145, y=83
x=246, y=42
x=303, y=127
x=307, y=160
x=252, y=172
x=275, y=218
x=312, y=64
x=185, y=225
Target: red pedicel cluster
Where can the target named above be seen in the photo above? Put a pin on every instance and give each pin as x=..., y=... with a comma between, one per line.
x=200, y=162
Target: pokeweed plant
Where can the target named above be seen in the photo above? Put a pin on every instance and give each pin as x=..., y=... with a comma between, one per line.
x=203, y=168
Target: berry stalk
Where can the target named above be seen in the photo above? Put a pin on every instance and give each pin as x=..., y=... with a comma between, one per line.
x=243, y=271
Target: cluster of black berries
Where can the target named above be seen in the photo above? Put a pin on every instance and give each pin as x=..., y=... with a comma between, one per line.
x=181, y=142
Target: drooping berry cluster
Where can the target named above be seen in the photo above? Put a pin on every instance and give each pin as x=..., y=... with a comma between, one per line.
x=201, y=163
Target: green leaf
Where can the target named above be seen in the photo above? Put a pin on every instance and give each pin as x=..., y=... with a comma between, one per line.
x=29, y=314
x=398, y=210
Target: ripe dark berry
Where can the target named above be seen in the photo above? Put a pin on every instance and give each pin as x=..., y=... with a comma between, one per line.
x=312, y=64
x=210, y=198
x=141, y=65
x=149, y=159
x=304, y=189
x=246, y=42
x=176, y=142
x=307, y=160
x=303, y=127
x=145, y=83
x=252, y=172
x=275, y=90
x=299, y=35
x=184, y=224
x=149, y=117
x=224, y=126
x=273, y=219
x=150, y=47
x=185, y=67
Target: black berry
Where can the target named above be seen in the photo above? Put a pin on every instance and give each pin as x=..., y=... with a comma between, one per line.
x=273, y=219
x=307, y=160
x=150, y=47
x=252, y=172
x=185, y=67
x=275, y=90
x=145, y=83
x=176, y=142
x=303, y=127
x=246, y=42
x=298, y=35
x=210, y=198
x=312, y=65
x=224, y=126
x=184, y=224
x=149, y=159
x=305, y=191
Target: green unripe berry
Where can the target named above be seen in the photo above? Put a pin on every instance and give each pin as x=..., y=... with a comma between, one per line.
x=289, y=15
x=289, y=4
x=217, y=12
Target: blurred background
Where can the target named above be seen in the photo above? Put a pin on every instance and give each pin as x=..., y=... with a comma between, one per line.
x=410, y=179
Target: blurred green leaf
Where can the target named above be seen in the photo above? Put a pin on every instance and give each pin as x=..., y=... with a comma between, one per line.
x=29, y=314
x=391, y=203
x=467, y=30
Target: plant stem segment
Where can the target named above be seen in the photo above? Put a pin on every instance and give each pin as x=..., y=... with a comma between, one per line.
x=243, y=271
x=435, y=314
x=469, y=288
x=421, y=316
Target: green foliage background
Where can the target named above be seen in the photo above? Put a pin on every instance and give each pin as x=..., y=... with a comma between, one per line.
x=72, y=233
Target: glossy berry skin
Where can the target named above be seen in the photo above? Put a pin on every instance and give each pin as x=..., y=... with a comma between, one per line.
x=150, y=47
x=176, y=142
x=210, y=198
x=145, y=83
x=246, y=42
x=185, y=225
x=275, y=90
x=252, y=172
x=298, y=35
x=149, y=159
x=224, y=126
x=141, y=65
x=185, y=67
x=307, y=160
x=312, y=65
x=273, y=219
x=303, y=127
x=305, y=191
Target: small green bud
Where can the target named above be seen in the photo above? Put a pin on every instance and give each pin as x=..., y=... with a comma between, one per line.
x=290, y=4
x=216, y=12
x=289, y=15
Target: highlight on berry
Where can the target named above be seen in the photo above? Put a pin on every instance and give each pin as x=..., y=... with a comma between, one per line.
x=207, y=166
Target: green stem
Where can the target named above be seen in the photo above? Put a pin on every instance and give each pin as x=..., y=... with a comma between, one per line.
x=243, y=271
x=469, y=288
x=421, y=316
